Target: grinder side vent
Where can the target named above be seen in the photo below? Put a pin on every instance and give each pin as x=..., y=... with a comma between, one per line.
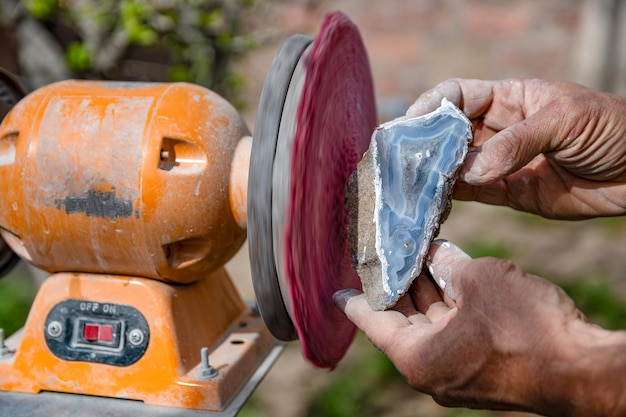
x=186, y=253
x=181, y=156
x=8, y=147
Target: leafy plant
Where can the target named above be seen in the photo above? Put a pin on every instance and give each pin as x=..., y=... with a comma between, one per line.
x=16, y=297
x=598, y=300
x=182, y=40
x=487, y=248
x=41, y=8
x=359, y=389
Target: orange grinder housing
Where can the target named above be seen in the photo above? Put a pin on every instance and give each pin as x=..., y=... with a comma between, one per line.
x=126, y=191
x=136, y=175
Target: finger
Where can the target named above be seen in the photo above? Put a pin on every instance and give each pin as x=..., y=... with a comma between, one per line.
x=424, y=293
x=427, y=299
x=419, y=318
x=446, y=299
x=431, y=99
x=512, y=148
x=437, y=311
x=495, y=193
x=446, y=263
x=449, y=301
x=381, y=327
x=473, y=97
x=405, y=306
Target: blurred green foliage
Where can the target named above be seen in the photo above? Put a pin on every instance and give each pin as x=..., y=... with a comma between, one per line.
x=487, y=248
x=612, y=225
x=197, y=40
x=253, y=408
x=41, y=9
x=135, y=17
x=77, y=56
x=599, y=301
x=356, y=390
x=16, y=296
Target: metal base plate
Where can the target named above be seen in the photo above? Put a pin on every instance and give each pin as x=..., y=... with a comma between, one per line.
x=52, y=404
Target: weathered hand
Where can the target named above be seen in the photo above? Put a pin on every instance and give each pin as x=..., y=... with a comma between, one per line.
x=552, y=148
x=497, y=338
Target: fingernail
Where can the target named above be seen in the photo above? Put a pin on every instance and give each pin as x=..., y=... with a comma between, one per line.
x=427, y=103
x=415, y=110
x=442, y=242
x=446, y=259
x=401, y=118
x=341, y=297
x=445, y=244
x=429, y=263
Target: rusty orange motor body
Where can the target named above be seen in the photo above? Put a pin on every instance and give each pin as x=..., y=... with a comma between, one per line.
x=121, y=178
x=133, y=196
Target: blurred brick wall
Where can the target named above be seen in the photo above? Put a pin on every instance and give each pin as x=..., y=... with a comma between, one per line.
x=414, y=44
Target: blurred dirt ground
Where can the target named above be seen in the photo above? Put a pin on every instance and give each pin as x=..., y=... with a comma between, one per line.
x=413, y=45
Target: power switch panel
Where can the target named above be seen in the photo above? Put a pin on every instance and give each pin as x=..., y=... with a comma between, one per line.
x=89, y=331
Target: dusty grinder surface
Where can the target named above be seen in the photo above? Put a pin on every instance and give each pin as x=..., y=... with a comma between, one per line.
x=328, y=114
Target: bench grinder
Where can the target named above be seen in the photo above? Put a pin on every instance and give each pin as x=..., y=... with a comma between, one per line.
x=134, y=195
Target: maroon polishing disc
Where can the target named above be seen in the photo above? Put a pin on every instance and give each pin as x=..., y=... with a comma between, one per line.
x=335, y=119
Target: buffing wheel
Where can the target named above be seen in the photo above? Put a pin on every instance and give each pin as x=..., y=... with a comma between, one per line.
x=315, y=120
x=267, y=287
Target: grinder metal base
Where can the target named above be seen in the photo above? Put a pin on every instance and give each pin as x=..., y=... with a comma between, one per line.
x=51, y=404
x=153, y=350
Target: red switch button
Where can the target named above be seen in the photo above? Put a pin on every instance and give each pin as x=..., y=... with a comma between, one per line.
x=91, y=332
x=98, y=332
x=106, y=333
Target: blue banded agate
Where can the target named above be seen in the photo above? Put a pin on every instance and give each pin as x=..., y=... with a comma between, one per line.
x=415, y=165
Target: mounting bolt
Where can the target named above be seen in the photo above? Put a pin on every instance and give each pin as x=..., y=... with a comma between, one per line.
x=4, y=350
x=135, y=337
x=206, y=371
x=55, y=329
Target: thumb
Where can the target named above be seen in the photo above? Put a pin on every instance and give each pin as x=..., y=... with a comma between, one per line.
x=514, y=147
x=446, y=263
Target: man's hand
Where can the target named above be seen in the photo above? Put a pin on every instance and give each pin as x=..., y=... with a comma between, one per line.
x=552, y=148
x=495, y=338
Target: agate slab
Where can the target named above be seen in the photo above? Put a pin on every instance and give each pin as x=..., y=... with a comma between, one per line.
x=399, y=195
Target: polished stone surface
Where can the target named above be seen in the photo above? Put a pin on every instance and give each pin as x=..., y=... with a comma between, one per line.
x=415, y=163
